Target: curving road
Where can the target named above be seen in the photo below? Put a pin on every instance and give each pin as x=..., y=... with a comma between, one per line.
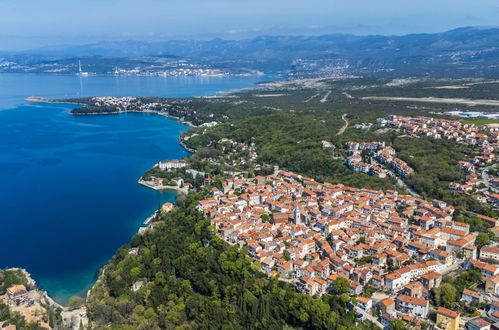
x=344, y=127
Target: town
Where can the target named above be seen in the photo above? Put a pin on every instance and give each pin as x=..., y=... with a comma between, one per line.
x=479, y=184
x=390, y=251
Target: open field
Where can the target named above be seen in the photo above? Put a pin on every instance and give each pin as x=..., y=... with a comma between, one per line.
x=434, y=100
x=480, y=121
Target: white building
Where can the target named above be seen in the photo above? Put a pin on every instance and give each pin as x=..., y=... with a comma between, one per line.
x=412, y=305
x=168, y=165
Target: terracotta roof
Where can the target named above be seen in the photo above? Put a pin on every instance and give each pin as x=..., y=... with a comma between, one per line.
x=447, y=312
x=363, y=300
x=413, y=300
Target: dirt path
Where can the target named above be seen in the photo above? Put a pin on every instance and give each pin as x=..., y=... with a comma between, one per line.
x=324, y=99
x=311, y=98
x=344, y=127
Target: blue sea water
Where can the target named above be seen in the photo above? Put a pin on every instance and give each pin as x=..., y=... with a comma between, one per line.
x=68, y=184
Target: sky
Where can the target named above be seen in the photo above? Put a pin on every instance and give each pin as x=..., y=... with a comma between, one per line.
x=26, y=24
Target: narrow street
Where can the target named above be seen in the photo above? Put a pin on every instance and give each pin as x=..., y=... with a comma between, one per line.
x=368, y=316
x=399, y=180
x=485, y=179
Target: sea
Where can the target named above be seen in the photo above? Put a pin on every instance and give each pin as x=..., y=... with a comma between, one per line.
x=69, y=196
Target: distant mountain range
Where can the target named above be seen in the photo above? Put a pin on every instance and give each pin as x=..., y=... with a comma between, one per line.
x=468, y=51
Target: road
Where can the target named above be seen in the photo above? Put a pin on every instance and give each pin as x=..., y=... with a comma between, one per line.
x=485, y=179
x=312, y=97
x=344, y=127
x=368, y=316
x=324, y=99
x=399, y=180
x=451, y=268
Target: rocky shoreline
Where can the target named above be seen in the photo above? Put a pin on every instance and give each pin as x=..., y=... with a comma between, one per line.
x=32, y=284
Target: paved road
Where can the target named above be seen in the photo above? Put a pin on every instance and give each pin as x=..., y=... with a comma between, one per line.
x=451, y=268
x=485, y=179
x=368, y=316
x=393, y=175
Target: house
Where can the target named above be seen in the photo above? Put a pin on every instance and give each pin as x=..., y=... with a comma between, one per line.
x=448, y=319
x=394, y=281
x=489, y=253
x=441, y=256
x=309, y=286
x=386, y=320
x=487, y=270
x=137, y=285
x=431, y=280
x=492, y=285
x=493, y=307
x=471, y=296
x=364, y=303
x=16, y=292
x=413, y=289
x=411, y=305
x=478, y=324
x=386, y=305
x=166, y=207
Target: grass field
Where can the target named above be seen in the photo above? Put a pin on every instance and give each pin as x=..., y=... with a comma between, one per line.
x=480, y=121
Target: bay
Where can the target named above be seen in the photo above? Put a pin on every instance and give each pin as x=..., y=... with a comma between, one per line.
x=69, y=195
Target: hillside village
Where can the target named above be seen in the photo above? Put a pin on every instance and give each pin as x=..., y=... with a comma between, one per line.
x=313, y=235
x=478, y=183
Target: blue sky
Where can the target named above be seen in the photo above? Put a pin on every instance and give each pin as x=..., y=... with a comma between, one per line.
x=33, y=23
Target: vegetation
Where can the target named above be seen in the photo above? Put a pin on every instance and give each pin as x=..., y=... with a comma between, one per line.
x=445, y=295
x=14, y=318
x=75, y=302
x=450, y=291
x=9, y=278
x=192, y=279
x=480, y=121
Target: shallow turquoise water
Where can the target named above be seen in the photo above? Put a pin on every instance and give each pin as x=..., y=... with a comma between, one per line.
x=69, y=196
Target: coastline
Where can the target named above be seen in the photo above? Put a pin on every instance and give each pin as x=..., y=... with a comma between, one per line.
x=37, y=99
x=147, y=221
x=163, y=187
x=180, y=120
x=32, y=283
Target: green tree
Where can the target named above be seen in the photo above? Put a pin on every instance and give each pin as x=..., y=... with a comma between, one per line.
x=265, y=217
x=445, y=295
x=341, y=285
x=481, y=240
x=397, y=325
